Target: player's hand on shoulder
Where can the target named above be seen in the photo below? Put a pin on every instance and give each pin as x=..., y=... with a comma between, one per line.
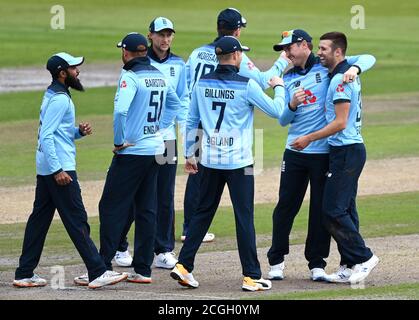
x=350, y=75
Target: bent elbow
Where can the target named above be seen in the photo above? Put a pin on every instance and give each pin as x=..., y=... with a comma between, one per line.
x=120, y=113
x=282, y=122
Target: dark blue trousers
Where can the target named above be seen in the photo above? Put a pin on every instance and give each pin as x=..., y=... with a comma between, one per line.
x=298, y=169
x=165, y=223
x=193, y=185
x=131, y=179
x=241, y=189
x=49, y=196
x=191, y=199
x=339, y=205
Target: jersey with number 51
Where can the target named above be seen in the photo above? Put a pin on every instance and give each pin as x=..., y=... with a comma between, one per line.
x=145, y=103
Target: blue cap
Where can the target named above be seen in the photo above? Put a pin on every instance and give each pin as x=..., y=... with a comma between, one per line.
x=61, y=61
x=161, y=23
x=230, y=19
x=290, y=37
x=228, y=44
x=133, y=42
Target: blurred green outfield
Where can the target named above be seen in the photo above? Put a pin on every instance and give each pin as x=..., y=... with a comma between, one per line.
x=92, y=28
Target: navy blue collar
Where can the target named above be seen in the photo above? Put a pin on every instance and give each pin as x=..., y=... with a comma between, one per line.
x=215, y=40
x=311, y=60
x=144, y=61
x=57, y=86
x=154, y=56
x=341, y=67
x=226, y=68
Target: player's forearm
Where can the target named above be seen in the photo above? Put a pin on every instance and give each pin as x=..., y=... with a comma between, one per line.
x=48, y=148
x=364, y=62
x=119, y=128
x=329, y=130
x=191, y=128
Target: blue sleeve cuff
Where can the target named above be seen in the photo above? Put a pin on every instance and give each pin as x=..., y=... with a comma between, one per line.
x=57, y=172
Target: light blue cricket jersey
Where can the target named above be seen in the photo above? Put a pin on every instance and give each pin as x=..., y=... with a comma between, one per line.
x=144, y=103
x=311, y=116
x=224, y=102
x=344, y=92
x=56, y=150
x=174, y=69
x=203, y=60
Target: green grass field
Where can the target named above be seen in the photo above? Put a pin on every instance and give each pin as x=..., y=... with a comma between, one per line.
x=407, y=291
x=377, y=215
x=93, y=27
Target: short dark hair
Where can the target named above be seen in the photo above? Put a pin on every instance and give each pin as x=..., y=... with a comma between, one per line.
x=309, y=45
x=338, y=40
x=225, y=32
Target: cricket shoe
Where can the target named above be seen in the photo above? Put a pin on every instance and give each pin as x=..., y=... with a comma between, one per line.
x=35, y=281
x=123, y=258
x=276, y=272
x=138, y=278
x=165, y=260
x=362, y=270
x=82, y=280
x=318, y=274
x=209, y=237
x=261, y=284
x=340, y=276
x=107, y=278
x=183, y=277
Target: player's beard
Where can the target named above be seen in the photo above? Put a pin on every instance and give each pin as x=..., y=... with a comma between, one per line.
x=73, y=82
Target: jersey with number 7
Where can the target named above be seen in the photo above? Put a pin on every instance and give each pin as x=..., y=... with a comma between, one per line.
x=224, y=102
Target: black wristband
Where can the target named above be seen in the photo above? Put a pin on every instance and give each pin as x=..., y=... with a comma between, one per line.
x=58, y=171
x=359, y=69
x=277, y=85
x=118, y=145
x=289, y=107
x=81, y=133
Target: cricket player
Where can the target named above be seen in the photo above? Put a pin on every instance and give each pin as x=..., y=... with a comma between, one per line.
x=57, y=187
x=224, y=102
x=173, y=67
x=306, y=87
x=204, y=60
x=347, y=159
x=145, y=103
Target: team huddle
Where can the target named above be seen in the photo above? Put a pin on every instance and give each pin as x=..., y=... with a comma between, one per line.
x=209, y=101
